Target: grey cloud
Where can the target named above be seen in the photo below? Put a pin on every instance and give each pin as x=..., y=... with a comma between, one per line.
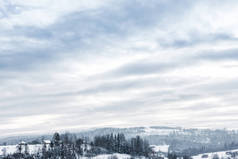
x=8, y=8
x=145, y=67
x=75, y=31
x=90, y=32
x=24, y=60
x=218, y=88
x=196, y=39
x=230, y=54
x=123, y=106
x=85, y=30
x=142, y=68
x=123, y=86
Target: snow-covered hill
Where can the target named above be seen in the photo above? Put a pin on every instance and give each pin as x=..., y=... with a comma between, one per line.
x=10, y=149
x=179, y=139
x=111, y=156
x=160, y=148
x=220, y=155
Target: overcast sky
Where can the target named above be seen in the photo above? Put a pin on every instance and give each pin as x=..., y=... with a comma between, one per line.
x=75, y=64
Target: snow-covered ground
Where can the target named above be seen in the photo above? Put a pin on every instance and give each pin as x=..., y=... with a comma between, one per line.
x=153, y=131
x=10, y=149
x=111, y=156
x=160, y=148
x=221, y=154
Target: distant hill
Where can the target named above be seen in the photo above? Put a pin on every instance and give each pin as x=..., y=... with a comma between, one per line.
x=191, y=141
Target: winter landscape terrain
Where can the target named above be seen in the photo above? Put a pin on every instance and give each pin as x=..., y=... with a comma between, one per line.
x=195, y=143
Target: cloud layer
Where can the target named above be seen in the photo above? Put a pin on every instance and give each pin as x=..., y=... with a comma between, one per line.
x=70, y=64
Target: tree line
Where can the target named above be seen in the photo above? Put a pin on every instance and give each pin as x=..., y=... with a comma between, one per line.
x=118, y=143
x=69, y=146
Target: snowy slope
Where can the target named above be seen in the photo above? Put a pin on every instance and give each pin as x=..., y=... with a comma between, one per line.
x=160, y=148
x=111, y=156
x=160, y=131
x=221, y=154
x=10, y=149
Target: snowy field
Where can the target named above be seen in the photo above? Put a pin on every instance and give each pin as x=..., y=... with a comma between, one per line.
x=160, y=148
x=164, y=131
x=221, y=154
x=111, y=156
x=10, y=149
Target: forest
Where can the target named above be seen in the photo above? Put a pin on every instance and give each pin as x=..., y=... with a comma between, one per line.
x=69, y=146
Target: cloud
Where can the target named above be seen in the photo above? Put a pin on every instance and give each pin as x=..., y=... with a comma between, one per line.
x=124, y=63
x=195, y=39
x=230, y=54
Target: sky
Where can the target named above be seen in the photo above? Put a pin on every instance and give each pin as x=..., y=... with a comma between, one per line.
x=78, y=64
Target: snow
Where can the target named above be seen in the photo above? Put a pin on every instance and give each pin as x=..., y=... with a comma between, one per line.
x=22, y=143
x=221, y=154
x=35, y=148
x=47, y=141
x=152, y=131
x=164, y=131
x=110, y=156
x=10, y=149
x=160, y=148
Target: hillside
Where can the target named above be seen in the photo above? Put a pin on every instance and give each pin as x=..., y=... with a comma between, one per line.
x=217, y=155
x=188, y=141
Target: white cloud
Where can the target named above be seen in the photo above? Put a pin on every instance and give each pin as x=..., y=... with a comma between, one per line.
x=43, y=13
x=120, y=64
